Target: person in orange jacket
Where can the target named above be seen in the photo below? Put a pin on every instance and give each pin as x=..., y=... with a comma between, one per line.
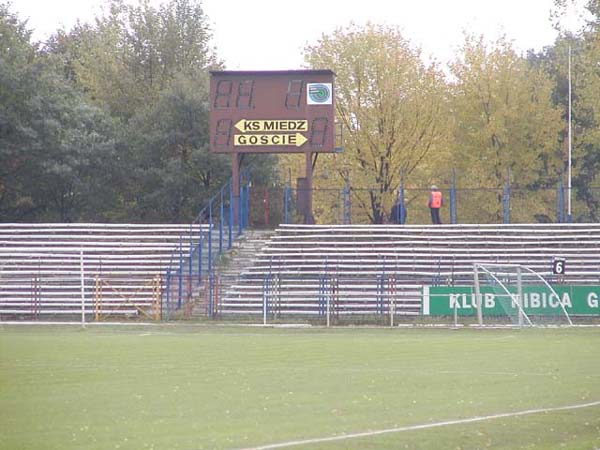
x=435, y=203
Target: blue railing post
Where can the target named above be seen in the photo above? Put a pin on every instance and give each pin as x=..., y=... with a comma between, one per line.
x=347, y=204
x=190, y=261
x=560, y=202
x=506, y=203
x=453, y=198
x=200, y=245
x=210, y=221
x=221, y=209
x=210, y=295
x=402, y=206
x=180, y=290
x=266, y=294
x=240, y=209
x=230, y=217
x=168, y=283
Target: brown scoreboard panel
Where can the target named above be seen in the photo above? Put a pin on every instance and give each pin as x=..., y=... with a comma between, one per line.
x=272, y=111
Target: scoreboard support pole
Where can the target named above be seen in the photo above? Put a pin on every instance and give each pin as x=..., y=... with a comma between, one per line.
x=308, y=215
x=235, y=187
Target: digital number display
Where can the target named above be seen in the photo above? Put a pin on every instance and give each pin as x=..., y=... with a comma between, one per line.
x=271, y=111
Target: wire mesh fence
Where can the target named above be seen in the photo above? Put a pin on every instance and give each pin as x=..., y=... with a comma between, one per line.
x=270, y=206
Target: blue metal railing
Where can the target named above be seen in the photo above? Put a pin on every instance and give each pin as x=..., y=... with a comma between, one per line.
x=210, y=234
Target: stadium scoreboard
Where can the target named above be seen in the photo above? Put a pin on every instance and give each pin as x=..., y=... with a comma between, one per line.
x=272, y=111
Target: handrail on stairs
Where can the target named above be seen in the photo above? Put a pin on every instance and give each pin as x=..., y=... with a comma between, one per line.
x=212, y=230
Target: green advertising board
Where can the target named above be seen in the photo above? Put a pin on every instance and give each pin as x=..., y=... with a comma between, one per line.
x=538, y=300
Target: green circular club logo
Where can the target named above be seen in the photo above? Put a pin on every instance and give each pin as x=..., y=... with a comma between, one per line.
x=319, y=93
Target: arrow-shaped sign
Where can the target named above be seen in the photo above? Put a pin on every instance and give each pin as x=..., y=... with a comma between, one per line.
x=290, y=139
x=249, y=126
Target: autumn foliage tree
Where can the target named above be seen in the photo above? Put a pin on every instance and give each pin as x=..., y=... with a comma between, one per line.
x=504, y=125
x=392, y=107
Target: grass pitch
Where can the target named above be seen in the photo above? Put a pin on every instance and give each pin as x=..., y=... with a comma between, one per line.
x=201, y=387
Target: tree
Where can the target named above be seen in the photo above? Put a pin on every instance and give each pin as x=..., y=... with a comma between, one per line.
x=585, y=111
x=392, y=106
x=175, y=173
x=52, y=140
x=504, y=123
x=132, y=53
x=17, y=57
x=149, y=67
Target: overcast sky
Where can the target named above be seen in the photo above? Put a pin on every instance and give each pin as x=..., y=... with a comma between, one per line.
x=271, y=34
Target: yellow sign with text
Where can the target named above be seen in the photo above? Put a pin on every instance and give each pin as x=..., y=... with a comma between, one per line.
x=246, y=126
x=295, y=139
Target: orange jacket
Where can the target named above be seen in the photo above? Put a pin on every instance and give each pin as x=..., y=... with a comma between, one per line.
x=435, y=200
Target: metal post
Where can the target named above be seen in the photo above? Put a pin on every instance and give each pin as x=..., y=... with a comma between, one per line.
x=455, y=314
x=308, y=213
x=168, y=289
x=230, y=221
x=506, y=203
x=221, y=209
x=402, y=206
x=200, y=245
x=569, y=186
x=453, y=198
x=346, y=204
x=327, y=293
x=392, y=298
x=82, y=275
x=560, y=202
x=247, y=206
x=266, y=287
x=285, y=204
x=520, y=295
x=191, y=260
x=477, y=295
x=235, y=187
x=240, y=214
x=210, y=221
x=180, y=287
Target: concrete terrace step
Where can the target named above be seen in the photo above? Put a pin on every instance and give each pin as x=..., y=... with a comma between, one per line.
x=123, y=266
x=298, y=261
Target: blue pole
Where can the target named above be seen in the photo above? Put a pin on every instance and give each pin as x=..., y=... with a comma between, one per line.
x=402, y=208
x=180, y=291
x=347, y=204
x=285, y=204
x=240, y=213
x=168, y=282
x=210, y=219
x=230, y=221
x=191, y=260
x=246, y=206
x=210, y=295
x=200, y=244
x=560, y=203
x=453, y=198
x=506, y=203
x=221, y=209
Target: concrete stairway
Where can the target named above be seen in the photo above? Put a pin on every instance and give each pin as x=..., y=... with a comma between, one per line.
x=232, y=263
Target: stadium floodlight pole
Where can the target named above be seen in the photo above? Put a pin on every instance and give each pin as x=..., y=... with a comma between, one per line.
x=569, y=217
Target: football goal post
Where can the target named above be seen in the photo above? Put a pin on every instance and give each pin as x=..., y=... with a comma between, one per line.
x=517, y=295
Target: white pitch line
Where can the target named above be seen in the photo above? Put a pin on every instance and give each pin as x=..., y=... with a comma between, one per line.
x=421, y=426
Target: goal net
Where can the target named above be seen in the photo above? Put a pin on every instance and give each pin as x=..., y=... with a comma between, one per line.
x=516, y=294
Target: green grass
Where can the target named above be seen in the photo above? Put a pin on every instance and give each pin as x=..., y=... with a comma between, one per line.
x=198, y=387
